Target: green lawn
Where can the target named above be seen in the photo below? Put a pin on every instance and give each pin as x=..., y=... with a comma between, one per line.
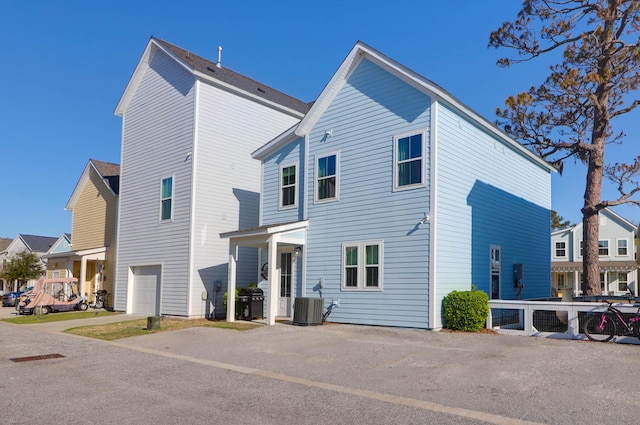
x=57, y=317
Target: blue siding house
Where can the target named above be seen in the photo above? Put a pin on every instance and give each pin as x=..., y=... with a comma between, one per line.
x=389, y=194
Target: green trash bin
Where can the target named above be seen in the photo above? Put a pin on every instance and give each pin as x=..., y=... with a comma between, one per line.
x=153, y=323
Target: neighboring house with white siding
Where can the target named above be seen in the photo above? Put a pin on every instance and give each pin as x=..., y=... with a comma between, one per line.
x=38, y=245
x=389, y=194
x=188, y=128
x=89, y=255
x=617, y=261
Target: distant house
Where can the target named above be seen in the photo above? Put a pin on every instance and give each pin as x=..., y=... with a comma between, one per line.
x=389, y=194
x=89, y=252
x=618, y=256
x=188, y=128
x=38, y=245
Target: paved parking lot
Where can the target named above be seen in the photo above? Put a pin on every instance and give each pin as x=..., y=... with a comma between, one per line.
x=307, y=375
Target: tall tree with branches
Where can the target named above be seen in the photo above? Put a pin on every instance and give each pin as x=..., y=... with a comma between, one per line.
x=570, y=114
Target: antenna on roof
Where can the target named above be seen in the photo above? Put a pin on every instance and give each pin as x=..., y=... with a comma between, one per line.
x=219, y=64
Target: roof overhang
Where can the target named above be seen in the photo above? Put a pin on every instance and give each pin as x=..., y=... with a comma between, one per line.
x=258, y=237
x=577, y=266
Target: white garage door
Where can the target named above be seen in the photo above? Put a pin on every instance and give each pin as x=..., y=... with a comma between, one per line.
x=146, y=285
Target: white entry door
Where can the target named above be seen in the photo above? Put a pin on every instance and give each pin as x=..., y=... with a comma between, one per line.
x=285, y=268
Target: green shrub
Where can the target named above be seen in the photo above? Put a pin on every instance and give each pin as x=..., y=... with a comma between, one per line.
x=465, y=310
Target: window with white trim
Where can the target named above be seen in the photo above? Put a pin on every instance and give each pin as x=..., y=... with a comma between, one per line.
x=326, y=187
x=622, y=247
x=561, y=249
x=362, y=265
x=166, y=198
x=288, y=186
x=622, y=282
x=603, y=247
x=409, y=160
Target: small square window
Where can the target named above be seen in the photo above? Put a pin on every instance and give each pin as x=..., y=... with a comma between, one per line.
x=561, y=249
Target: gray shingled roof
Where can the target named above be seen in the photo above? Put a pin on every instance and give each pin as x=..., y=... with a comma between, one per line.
x=38, y=243
x=110, y=173
x=237, y=80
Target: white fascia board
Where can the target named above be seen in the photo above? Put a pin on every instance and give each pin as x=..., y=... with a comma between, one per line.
x=265, y=230
x=624, y=221
x=138, y=73
x=275, y=144
x=77, y=191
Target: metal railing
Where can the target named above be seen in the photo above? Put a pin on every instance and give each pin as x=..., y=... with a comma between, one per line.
x=551, y=319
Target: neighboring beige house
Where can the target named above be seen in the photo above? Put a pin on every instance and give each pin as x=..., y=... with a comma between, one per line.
x=90, y=256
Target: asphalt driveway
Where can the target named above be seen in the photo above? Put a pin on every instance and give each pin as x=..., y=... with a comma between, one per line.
x=325, y=374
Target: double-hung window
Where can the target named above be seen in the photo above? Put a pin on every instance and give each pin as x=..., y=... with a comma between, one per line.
x=288, y=186
x=603, y=247
x=327, y=177
x=362, y=265
x=622, y=247
x=166, y=199
x=409, y=161
x=561, y=249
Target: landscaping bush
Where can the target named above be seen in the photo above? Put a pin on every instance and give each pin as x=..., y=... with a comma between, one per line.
x=465, y=310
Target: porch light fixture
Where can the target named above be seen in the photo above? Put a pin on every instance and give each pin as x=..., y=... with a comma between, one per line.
x=297, y=251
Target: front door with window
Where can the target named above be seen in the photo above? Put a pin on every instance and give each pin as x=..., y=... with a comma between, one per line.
x=285, y=268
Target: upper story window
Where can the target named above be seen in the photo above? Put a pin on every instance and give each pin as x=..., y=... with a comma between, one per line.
x=327, y=177
x=561, y=249
x=288, y=186
x=362, y=265
x=166, y=199
x=622, y=247
x=409, y=161
x=603, y=247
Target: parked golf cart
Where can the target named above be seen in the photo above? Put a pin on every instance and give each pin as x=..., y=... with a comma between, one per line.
x=52, y=295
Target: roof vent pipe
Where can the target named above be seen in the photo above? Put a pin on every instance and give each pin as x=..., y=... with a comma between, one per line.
x=219, y=57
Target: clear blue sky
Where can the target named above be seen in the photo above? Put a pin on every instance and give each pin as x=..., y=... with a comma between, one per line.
x=65, y=65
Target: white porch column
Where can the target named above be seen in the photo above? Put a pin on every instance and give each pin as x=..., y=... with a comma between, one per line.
x=274, y=285
x=231, y=286
x=83, y=276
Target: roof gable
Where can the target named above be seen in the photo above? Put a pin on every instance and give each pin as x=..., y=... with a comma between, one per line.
x=211, y=72
x=63, y=244
x=109, y=173
x=38, y=243
x=361, y=51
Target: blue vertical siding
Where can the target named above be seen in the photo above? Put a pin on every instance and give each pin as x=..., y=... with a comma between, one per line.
x=370, y=109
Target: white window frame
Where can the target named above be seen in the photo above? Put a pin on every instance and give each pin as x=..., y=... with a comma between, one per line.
x=607, y=247
x=172, y=198
x=315, y=177
x=626, y=281
x=361, y=245
x=281, y=186
x=626, y=247
x=555, y=249
x=423, y=159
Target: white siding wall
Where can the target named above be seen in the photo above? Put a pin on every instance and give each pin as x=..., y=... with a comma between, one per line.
x=487, y=193
x=157, y=137
x=227, y=189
